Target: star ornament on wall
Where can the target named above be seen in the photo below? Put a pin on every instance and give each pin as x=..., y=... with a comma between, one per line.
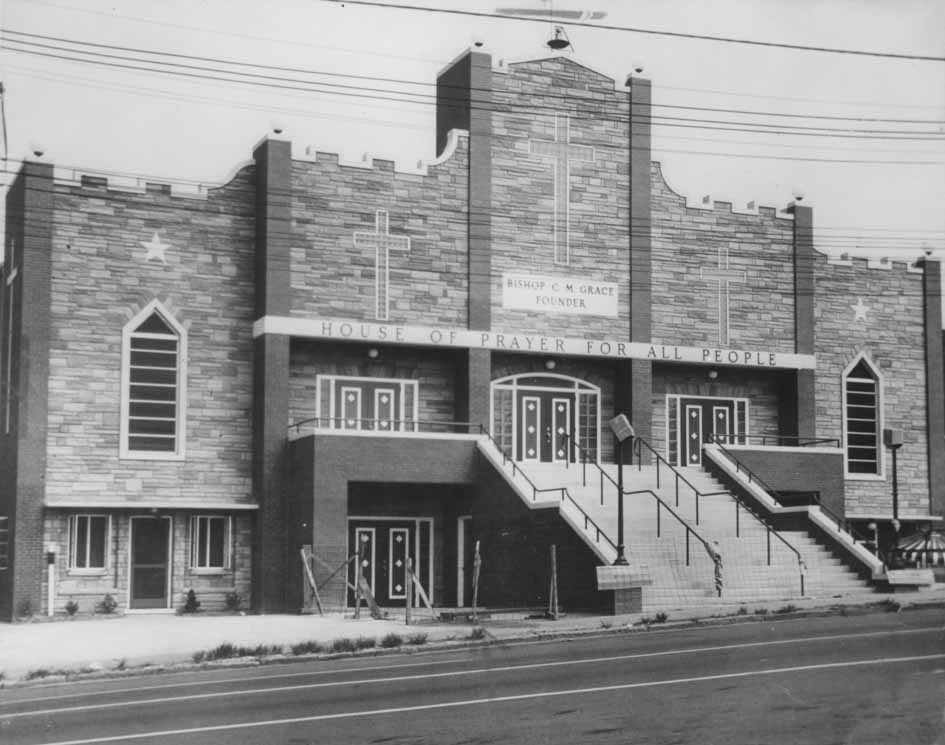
x=155, y=248
x=860, y=310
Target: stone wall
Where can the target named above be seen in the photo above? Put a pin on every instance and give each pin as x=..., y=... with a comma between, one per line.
x=687, y=241
x=101, y=277
x=334, y=277
x=892, y=338
x=526, y=101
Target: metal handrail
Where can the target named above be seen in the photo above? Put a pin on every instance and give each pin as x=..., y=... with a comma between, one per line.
x=565, y=494
x=396, y=425
x=842, y=525
x=659, y=501
x=768, y=527
x=801, y=442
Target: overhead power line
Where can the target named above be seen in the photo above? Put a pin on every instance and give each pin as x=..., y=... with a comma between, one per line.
x=403, y=81
x=350, y=91
x=637, y=30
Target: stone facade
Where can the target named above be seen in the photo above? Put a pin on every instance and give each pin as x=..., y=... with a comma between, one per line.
x=528, y=99
x=687, y=243
x=892, y=338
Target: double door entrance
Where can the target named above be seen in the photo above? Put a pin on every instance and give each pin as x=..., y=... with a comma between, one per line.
x=545, y=419
x=697, y=421
x=383, y=546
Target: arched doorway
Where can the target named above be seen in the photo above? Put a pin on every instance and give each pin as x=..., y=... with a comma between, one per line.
x=532, y=413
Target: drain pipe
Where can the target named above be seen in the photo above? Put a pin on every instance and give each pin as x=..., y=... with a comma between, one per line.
x=50, y=579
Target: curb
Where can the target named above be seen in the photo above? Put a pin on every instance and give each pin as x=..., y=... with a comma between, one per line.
x=526, y=635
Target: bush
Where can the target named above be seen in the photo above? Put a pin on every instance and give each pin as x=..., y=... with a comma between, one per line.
x=72, y=607
x=477, y=633
x=891, y=606
x=417, y=639
x=661, y=618
x=761, y=611
x=392, y=640
x=343, y=645
x=122, y=664
x=786, y=609
x=108, y=604
x=191, y=604
x=743, y=611
x=310, y=647
x=233, y=600
x=366, y=643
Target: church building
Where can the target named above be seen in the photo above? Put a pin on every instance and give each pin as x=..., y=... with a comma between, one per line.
x=362, y=362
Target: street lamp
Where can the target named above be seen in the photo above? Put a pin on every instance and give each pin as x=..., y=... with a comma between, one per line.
x=892, y=438
x=623, y=431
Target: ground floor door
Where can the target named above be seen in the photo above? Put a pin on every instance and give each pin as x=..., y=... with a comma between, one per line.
x=695, y=422
x=150, y=554
x=544, y=418
x=465, y=557
x=383, y=545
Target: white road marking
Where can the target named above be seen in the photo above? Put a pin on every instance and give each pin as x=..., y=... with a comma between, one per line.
x=449, y=674
x=493, y=700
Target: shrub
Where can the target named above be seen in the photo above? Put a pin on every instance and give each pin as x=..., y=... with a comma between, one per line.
x=392, y=640
x=39, y=672
x=233, y=601
x=661, y=618
x=310, y=647
x=191, y=604
x=891, y=606
x=72, y=607
x=417, y=639
x=343, y=645
x=108, y=604
x=743, y=611
x=366, y=643
x=222, y=652
x=199, y=657
x=24, y=609
x=786, y=609
x=477, y=633
x=761, y=611
x=122, y=664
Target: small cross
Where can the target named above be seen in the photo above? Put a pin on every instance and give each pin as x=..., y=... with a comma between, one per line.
x=382, y=242
x=561, y=152
x=724, y=276
x=155, y=248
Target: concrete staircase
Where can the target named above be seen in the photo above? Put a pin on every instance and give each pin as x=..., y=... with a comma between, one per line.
x=659, y=543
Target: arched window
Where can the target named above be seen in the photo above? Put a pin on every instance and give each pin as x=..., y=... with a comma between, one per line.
x=862, y=398
x=153, y=385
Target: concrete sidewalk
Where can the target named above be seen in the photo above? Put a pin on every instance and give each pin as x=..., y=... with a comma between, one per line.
x=106, y=643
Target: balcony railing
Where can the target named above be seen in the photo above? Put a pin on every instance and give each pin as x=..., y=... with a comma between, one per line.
x=384, y=426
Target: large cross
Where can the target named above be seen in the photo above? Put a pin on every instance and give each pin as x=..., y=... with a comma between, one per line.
x=561, y=152
x=382, y=242
x=724, y=276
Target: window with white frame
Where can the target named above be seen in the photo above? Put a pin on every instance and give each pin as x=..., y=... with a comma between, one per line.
x=88, y=541
x=153, y=385
x=862, y=392
x=209, y=542
x=4, y=543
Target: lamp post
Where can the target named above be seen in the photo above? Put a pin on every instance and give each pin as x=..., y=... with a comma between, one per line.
x=892, y=438
x=623, y=431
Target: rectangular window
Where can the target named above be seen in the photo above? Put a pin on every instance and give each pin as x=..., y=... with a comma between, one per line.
x=4, y=543
x=88, y=541
x=209, y=542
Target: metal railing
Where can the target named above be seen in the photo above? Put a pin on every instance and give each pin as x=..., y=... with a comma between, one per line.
x=779, y=440
x=660, y=504
x=562, y=490
x=753, y=478
x=386, y=426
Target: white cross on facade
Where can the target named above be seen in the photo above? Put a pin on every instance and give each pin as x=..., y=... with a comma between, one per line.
x=561, y=152
x=724, y=276
x=382, y=242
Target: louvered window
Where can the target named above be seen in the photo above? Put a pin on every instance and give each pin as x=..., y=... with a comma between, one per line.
x=861, y=398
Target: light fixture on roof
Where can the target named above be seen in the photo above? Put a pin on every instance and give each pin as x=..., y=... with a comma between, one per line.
x=798, y=194
x=37, y=149
x=560, y=40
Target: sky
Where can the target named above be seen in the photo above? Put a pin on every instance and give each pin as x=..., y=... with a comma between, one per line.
x=886, y=111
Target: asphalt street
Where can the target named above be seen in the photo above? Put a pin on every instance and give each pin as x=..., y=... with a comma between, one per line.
x=858, y=679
